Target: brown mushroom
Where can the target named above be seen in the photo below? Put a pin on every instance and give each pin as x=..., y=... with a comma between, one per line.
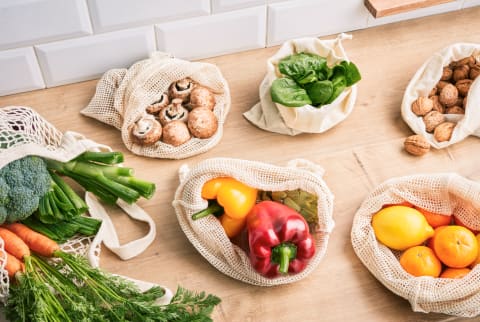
x=156, y=106
x=181, y=89
x=175, y=133
x=172, y=112
x=202, y=97
x=146, y=131
x=202, y=123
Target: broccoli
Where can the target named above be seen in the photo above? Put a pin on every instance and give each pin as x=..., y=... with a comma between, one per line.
x=22, y=183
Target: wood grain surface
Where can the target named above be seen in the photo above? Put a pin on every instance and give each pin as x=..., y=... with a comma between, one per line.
x=357, y=154
x=382, y=8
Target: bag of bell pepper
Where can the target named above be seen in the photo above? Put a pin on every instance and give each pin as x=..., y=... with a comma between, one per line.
x=276, y=253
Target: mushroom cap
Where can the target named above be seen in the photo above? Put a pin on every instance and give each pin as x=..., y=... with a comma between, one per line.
x=202, y=123
x=146, y=131
x=181, y=89
x=176, y=133
x=202, y=97
x=174, y=111
x=156, y=106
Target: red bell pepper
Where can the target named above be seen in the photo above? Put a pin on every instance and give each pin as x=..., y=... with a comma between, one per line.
x=279, y=239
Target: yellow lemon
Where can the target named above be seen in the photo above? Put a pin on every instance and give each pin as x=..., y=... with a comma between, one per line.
x=477, y=261
x=401, y=227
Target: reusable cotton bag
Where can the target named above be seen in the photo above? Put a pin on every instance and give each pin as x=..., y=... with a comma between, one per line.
x=208, y=236
x=274, y=117
x=122, y=96
x=444, y=193
x=426, y=78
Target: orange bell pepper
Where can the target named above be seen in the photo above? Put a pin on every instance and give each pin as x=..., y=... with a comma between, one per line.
x=230, y=199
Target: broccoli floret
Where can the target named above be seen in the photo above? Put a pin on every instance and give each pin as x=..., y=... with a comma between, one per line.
x=22, y=183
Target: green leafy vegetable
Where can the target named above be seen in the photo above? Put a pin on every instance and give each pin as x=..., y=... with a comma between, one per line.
x=287, y=92
x=302, y=67
x=320, y=91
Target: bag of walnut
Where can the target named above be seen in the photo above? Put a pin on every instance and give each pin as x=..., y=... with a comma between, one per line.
x=442, y=98
x=443, y=193
x=165, y=107
x=207, y=234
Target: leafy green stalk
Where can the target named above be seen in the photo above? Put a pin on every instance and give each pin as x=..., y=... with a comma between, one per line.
x=102, y=157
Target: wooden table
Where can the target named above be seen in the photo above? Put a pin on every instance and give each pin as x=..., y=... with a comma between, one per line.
x=358, y=154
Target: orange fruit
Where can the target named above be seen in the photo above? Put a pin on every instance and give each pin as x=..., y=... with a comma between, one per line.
x=455, y=246
x=421, y=261
x=458, y=222
x=477, y=260
x=435, y=220
x=435, y=232
x=455, y=272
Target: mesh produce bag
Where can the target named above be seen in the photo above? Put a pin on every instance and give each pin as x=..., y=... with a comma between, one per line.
x=207, y=234
x=122, y=96
x=445, y=193
x=274, y=117
x=24, y=132
x=426, y=78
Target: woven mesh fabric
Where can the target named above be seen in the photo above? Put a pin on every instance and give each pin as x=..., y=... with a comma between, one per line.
x=207, y=234
x=122, y=95
x=446, y=193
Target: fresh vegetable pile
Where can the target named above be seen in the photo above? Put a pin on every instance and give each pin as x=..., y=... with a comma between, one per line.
x=68, y=289
x=308, y=80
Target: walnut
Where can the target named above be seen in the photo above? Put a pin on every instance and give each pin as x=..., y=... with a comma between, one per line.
x=448, y=95
x=416, y=145
x=463, y=86
x=447, y=74
x=422, y=106
x=443, y=132
x=441, y=85
x=454, y=110
x=464, y=61
x=432, y=119
x=437, y=106
x=433, y=92
x=464, y=102
x=461, y=72
x=474, y=72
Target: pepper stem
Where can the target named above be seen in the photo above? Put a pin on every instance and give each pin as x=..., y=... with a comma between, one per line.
x=282, y=254
x=213, y=208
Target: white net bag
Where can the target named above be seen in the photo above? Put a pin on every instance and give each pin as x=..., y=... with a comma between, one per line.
x=445, y=193
x=426, y=78
x=278, y=118
x=24, y=132
x=122, y=96
x=207, y=234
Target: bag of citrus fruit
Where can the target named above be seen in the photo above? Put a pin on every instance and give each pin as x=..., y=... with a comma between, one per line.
x=417, y=236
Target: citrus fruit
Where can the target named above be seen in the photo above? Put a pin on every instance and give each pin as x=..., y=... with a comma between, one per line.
x=477, y=260
x=455, y=272
x=455, y=246
x=400, y=227
x=421, y=261
x=435, y=233
x=435, y=220
x=458, y=222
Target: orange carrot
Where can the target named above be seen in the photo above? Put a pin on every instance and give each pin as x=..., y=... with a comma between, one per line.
x=13, y=265
x=14, y=244
x=37, y=242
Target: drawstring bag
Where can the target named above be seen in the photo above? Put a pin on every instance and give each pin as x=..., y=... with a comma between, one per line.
x=122, y=96
x=274, y=117
x=426, y=78
x=208, y=236
x=444, y=193
x=24, y=132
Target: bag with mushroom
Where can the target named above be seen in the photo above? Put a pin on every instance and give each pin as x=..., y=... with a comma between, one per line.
x=165, y=107
x=441, y=101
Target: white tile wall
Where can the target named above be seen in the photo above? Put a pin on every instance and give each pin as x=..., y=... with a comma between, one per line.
x=54, y=42
x=213, y=35
x=27, y=22
x=89, y=57
x=292, y=19
x=19, y=71
x=116, y=14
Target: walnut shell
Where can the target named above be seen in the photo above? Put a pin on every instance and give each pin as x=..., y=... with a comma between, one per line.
x=437, y=106
x=146, y=131
x=175, y=133
x=433, y=92
x=461, y=72
x=446, y=74
x=202, y=123
x=440, y=85
x=422, y=106
x=432, y=119
x=463, y=86
x=474, y=72
x=202, y=97
x=443, y=132
x=416, y=145
x=448, y=95
x=454, y=110
x=156, y=106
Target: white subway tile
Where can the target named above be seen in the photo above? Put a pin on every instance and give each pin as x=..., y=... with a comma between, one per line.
x=293, y=19
x=89, y=57
x=428, y=11
x=115, y=14
x=471, y=3
x=27, y=22
x=228, y=5
x=19, y=71
x=213, y=35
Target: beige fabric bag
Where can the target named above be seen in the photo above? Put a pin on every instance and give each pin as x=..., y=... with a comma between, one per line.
x=426, y=78
x=24, y=132
x=274, y=117
x=123, y=94
x=446, y=193
x=207, y=234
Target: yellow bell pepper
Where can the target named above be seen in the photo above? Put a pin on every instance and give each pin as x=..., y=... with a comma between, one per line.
x=231, y=199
